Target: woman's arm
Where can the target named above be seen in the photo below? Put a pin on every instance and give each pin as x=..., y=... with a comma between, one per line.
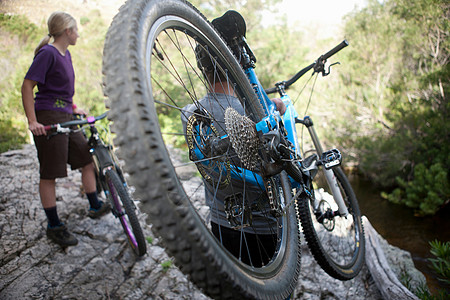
x=28, y=105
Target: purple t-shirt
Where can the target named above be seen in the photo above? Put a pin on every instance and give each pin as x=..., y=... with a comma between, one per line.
x=55, y=79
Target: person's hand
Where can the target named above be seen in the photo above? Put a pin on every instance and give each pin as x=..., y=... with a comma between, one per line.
x=37, y=128
x=281, y=107
x=80, y=111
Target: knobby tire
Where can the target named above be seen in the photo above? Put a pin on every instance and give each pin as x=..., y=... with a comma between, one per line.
x=340, y=252
x=122, y=203
x=150, y=75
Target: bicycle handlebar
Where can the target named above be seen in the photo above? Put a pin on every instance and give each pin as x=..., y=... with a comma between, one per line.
x=320, y=60
x=88, y=120
x=335, y=50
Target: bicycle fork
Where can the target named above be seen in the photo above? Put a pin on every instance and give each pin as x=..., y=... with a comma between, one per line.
x=330, y=159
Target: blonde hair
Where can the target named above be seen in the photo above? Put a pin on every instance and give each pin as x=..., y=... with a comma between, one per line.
x=57, y=23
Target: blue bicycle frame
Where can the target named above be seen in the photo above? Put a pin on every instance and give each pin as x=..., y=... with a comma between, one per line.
x=274, y=121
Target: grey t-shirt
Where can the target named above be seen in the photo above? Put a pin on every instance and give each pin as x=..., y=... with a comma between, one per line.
x=215, y=105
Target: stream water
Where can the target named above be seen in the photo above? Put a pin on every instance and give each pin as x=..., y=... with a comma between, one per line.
x=398, y=225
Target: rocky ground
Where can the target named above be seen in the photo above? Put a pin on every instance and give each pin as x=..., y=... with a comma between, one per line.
x=102, y=265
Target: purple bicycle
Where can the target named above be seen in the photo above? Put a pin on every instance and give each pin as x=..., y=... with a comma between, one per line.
x=110, y=178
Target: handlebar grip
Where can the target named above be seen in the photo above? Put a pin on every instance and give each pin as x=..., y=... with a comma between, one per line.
x=335, y=50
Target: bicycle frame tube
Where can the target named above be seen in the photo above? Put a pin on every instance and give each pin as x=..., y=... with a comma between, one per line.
x=289, y=118
x=100, y=152
x=121, y=214
x=329, y=174
x=268, y=106
x=237, y=173
x=271, y=121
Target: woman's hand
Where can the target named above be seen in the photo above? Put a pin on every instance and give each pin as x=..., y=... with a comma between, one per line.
x=37, y=128
x=79, y=111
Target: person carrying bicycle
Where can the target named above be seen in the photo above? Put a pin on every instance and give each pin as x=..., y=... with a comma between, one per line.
x=52, y=72
x=221, y=95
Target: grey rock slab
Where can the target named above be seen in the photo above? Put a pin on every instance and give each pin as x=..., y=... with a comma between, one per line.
x=102, y=265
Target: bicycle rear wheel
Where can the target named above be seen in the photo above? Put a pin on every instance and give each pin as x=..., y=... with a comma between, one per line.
x=124, y=209
x=337, y=243
x=216, y=222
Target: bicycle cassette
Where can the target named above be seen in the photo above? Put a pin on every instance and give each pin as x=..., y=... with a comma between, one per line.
x=243, y=137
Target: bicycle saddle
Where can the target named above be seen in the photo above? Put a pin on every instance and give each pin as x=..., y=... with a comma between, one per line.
x=231, y=25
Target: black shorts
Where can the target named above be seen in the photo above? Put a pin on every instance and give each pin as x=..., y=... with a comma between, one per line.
x=55, y=152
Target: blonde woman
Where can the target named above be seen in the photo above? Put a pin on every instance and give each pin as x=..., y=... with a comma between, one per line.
x=52, y=72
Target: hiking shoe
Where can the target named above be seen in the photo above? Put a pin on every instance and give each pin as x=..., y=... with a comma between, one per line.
x=61, y=236
x=97, y=213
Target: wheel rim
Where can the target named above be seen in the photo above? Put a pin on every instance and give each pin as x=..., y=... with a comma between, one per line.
x=176, y=82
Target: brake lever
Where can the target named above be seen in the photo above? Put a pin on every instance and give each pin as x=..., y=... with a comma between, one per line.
x=329, y=69
x=320, y=67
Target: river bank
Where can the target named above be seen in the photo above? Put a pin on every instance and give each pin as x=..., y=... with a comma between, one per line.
x=398, y=225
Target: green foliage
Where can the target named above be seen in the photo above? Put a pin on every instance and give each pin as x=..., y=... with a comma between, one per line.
x=149, y=240
x=20, y=37
x=441, y=264
x=9, y=139
x=250, y=9
x=426, y=191
x=18, y=25
x=87, y=61
x=166, y=265
x=424, y=294
x=396, y=87
x=278, y=52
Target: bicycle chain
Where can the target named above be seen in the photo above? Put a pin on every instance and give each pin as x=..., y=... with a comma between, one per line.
x=243, y=137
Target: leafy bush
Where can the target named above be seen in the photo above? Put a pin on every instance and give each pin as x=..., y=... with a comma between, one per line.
x=441, y=264
x=397, y=87
x=427, y=192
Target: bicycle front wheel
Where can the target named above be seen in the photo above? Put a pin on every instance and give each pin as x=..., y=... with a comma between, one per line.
x=170, y=78
x=336, y=242
x=124, y=209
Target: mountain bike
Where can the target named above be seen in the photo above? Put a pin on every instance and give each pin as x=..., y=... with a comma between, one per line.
x=222, y=177
x=110, y=178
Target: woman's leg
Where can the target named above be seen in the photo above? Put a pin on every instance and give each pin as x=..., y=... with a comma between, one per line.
x=47, y=191
x=88, y=178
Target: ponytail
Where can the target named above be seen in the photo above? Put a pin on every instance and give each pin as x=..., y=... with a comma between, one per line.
x=42, y=43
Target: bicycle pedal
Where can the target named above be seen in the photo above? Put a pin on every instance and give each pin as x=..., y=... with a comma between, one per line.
x=331, y=158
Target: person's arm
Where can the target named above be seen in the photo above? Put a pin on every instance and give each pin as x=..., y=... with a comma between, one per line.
x=28, y=105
